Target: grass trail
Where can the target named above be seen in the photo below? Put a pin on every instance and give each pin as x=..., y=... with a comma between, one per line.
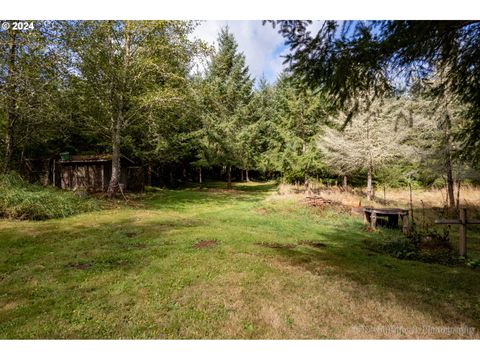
x=138, y=273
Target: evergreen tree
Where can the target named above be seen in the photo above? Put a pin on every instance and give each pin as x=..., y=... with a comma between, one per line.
x=255, y=137
x=227, y=92
x=440, y=122
x=299, y=118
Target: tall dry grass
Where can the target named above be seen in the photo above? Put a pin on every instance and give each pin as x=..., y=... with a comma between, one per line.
x=428, y=204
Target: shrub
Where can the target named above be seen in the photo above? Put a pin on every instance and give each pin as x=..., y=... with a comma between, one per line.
x=24, y=201
x=473, y=263
x=426, y=246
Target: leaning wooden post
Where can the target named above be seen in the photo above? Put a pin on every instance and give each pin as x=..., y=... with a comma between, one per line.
x=373, y=220
x=462, y=246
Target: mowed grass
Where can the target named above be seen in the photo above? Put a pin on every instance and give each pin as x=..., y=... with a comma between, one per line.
x=140, y=272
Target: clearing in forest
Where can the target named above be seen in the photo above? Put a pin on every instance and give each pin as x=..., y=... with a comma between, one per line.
x=201, y=264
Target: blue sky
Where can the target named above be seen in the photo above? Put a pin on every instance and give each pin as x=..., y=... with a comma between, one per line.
x=262, y=45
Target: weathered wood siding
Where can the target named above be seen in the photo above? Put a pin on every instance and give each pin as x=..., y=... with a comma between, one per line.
x=89, y=177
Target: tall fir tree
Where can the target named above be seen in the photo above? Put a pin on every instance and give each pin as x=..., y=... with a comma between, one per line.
x=227, y=93
x=300, y=115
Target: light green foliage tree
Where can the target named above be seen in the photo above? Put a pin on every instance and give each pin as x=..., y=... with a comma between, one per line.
x=32, y=69
x=130, y=74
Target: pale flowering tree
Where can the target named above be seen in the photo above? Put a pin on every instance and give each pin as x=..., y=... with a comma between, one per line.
x=377, y=136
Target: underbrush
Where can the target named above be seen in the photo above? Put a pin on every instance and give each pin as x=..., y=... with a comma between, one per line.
x=24, y=201
x=427, y=246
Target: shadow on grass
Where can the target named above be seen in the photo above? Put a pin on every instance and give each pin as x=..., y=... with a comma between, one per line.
x=57, y=267
x=64, y=272
x=222, y=185
x=446, y=293
x=178, y=199
x=255, y=187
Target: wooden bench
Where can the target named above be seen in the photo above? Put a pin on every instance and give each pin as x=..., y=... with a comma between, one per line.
x=371, y=216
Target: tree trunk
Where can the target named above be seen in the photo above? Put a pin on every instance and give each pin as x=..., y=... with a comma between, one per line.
x=411, y=201
x=458, y=194
x=115, y=179
x=345, y=183
x=448, y=159
x=229, y=176
x=118, y=121
x=149, y=174
x=450, y=183
x=11, y=102
x=246, y=175
x=8, y=146
x=200, y=176
x=241, y=175
x=303, y=137
x=369, y=182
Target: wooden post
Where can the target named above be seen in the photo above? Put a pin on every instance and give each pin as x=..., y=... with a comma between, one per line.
x=462, y=246
x=411, y=202
x=53, y=173
x=103, y=176
x=405, y=225
x=149, y=174
x=373, y=220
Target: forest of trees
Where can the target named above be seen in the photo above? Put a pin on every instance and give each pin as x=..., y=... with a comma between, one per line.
x=130, y=88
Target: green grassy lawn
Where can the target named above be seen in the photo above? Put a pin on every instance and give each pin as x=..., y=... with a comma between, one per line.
x=220, y=264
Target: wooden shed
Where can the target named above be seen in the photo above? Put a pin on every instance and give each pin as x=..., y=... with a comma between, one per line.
x=92, y=173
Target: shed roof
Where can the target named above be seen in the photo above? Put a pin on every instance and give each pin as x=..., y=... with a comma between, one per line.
x=87, y=158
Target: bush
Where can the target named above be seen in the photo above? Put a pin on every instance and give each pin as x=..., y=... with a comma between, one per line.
x=24, y=201
x=426, y=246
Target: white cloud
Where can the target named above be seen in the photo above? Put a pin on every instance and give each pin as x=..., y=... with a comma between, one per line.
x=261, y=44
